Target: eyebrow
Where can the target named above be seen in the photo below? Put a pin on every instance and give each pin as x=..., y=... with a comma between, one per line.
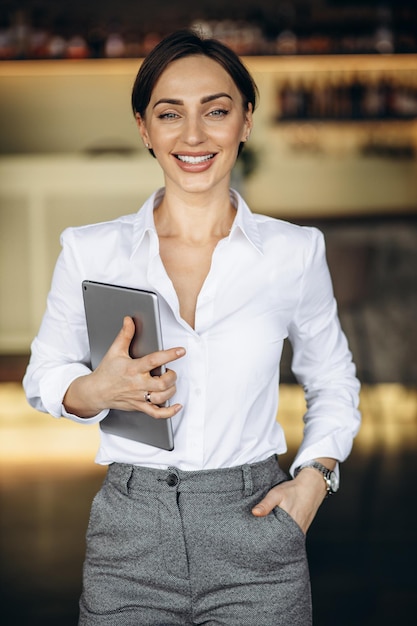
x=203, y=100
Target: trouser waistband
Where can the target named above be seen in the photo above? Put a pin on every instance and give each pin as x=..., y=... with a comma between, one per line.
x=246, y=478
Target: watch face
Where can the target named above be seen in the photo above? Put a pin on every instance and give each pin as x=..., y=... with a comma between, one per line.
x=334, y=482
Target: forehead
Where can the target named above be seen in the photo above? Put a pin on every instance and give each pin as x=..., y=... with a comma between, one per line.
x=194, y=74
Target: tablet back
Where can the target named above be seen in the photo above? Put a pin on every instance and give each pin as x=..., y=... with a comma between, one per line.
x=105, y=307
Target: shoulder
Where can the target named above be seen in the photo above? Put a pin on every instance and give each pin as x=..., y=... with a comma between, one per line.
x=95, y=248
x=277, y=232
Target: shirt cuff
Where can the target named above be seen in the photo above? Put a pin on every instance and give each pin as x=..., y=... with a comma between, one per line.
x=335, y=446
x=53, y=387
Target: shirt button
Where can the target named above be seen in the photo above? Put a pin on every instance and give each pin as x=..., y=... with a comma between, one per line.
x=172, y=480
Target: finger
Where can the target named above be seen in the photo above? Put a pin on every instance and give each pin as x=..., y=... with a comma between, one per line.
x=159, y=397
x=267, y=504
x=124, y=338
x=162, y=412
x=154, y=360
x=164, y=382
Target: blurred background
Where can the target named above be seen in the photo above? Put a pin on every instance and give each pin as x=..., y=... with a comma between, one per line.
x=334, y=146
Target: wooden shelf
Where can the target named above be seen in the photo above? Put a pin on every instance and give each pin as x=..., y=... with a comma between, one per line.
x=259, y=64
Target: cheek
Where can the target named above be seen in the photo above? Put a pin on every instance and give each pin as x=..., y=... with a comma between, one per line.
x=230, y=137
x=163, y=137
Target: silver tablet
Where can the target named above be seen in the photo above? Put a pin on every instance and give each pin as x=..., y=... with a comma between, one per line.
x=105, y=307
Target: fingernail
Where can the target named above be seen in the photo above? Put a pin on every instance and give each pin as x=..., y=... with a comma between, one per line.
x=180, y=352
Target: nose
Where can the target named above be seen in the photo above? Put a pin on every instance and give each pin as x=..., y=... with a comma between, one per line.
x=193, y=131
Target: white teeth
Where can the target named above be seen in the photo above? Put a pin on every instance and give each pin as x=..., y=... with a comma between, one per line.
x=194, y=160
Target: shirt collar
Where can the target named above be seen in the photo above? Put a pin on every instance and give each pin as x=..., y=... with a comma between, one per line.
x=244, y=222
x=144, y=223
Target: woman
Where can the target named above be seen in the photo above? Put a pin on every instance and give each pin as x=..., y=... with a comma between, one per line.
x=212, y=532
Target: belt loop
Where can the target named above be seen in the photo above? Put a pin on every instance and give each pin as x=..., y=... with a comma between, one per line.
x=247, y=480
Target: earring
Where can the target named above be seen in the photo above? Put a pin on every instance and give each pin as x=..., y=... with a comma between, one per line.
x=147, y=145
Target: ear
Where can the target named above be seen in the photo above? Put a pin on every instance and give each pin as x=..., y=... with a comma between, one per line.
x=248, y=122
x=140, y=122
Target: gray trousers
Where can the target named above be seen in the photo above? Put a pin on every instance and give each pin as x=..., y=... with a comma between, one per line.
x=169, y=547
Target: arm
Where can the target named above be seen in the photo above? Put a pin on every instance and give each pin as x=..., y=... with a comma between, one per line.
x=59, y=379
x=323, y=365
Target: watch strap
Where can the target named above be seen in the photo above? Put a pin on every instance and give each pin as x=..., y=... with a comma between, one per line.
x=324, y=471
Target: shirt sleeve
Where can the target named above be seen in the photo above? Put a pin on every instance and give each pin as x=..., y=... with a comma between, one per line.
x=322, y=364
x=60, y=353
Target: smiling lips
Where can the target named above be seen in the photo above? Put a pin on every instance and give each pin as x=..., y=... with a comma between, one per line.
x=195, y=163
x=186, y=158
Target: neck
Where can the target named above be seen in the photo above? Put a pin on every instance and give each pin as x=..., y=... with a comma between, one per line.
x=195, y=217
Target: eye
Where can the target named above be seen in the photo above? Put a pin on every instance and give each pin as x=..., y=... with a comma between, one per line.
x=168, y=116
x=218, y=113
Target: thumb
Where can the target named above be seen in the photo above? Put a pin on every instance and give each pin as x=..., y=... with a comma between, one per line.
x=124, y=337
x=265, y=506
x=262, y=509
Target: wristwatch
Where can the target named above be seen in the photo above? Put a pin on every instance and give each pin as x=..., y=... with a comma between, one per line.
x=330, y=477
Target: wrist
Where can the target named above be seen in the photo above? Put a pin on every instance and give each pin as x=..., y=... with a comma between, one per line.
x=328, y=476
x=79, y=398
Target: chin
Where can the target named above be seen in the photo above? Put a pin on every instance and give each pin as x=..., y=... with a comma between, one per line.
x=198, y=186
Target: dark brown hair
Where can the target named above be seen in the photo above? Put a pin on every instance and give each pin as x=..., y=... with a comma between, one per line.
x=184, y=43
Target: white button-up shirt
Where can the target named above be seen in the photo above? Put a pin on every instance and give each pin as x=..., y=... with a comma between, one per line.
x=268, y=280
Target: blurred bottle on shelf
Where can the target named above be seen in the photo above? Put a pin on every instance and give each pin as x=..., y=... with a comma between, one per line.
x=77, y=48
x=338, y=97
x=282, y=28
